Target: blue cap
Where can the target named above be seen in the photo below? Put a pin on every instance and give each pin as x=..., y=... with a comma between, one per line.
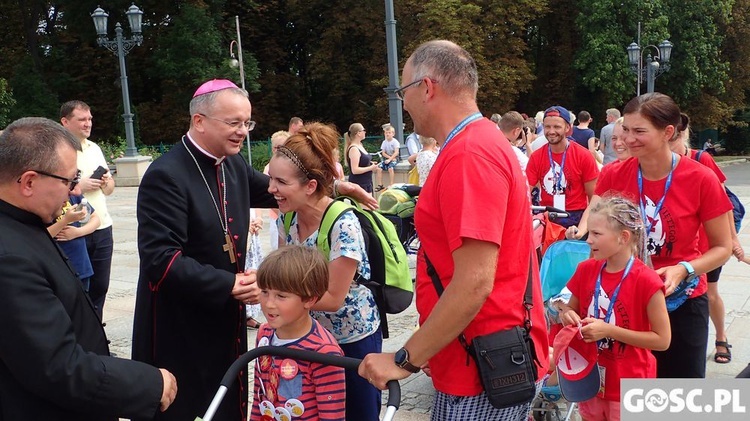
x=558, y=111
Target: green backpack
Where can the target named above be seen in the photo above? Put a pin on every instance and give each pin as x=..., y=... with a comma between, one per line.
x=390, y=278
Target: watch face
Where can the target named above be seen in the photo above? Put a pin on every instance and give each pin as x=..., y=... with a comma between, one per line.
x=400, y=357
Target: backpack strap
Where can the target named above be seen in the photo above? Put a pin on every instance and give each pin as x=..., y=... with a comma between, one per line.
x=288, y=217
x=698, y=155
x=333, y=212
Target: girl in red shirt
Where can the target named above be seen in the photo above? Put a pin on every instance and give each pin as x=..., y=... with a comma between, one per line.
x=620, y=303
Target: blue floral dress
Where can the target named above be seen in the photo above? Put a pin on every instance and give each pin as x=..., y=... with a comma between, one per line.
x=358, y=317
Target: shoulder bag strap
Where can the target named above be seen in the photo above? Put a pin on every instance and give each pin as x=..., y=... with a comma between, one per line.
x=528, y=301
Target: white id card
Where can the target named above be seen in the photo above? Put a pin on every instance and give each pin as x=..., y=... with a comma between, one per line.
x=559, y=201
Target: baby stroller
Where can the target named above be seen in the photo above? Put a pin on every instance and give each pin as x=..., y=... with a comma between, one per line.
x=557, y=267
x=397, y=204
x=394, y=389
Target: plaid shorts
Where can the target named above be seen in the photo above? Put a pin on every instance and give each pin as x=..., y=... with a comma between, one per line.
x=456, y=408
x=386, y=167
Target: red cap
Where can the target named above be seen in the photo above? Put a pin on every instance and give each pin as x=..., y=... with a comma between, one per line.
x=577, y=368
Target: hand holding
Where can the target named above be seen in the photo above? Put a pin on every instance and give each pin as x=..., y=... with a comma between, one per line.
x=378, y=369
x=169, y=390
x=68, y=233
x=672, y=276
x=346, y=188
x=256, y=225
x=73, y=215
x=90, y=184
x=569, y=317
x=572, y=233
x=245, y=288
x=594, y=329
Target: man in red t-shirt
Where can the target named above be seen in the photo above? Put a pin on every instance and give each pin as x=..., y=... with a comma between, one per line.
x=564, y=171
x=474, y=224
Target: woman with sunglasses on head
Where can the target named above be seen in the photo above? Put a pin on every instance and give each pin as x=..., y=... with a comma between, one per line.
x=675, y=196
x=358, y=159
x=302, y=173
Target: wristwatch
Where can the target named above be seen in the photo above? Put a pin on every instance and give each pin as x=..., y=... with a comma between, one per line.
x=402, y=360
x=689, y=269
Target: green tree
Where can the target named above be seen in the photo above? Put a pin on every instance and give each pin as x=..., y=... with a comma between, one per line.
x=7, y=102
x=553, y=42
x=736, y=51
x=494, y=32
x=190, y=49
x=699, y=73
x=606, y=27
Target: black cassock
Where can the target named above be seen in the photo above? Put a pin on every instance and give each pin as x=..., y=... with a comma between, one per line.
x=186, y=319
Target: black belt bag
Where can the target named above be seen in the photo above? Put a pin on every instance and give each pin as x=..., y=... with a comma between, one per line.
x=505, y=359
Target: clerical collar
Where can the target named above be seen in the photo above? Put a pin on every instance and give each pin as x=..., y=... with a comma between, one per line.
x=21, y=215
x=203, y=151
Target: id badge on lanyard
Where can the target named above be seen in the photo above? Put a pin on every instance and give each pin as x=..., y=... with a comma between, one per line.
x=558, y=201
x=558, y=198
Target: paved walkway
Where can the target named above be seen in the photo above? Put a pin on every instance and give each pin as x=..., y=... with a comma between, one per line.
x=417, y=390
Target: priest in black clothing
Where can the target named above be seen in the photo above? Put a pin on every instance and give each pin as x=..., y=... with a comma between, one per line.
x=193, y=221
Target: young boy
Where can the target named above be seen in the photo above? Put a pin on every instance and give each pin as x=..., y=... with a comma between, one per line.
x=389, y=149
x=292, y=279
x=70, y=231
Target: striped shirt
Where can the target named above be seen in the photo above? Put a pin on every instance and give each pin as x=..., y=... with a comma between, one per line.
x=320, y=388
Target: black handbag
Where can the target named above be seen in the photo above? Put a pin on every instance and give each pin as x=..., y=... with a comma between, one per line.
x=505, y=359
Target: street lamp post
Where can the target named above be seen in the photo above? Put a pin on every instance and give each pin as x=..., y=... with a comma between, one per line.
x=121, y=46
x=239, y=63
x=394, y=103
x=654, y=65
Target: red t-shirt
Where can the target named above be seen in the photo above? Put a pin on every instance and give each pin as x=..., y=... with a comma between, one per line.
x=476, y=190
x=694, y=197
x=619, y=360
x=709, y=162
x=580, y=168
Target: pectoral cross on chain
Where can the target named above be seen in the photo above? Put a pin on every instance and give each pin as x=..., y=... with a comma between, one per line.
x=229, y=248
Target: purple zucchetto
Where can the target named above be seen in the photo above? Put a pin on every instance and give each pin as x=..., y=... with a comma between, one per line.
x=213, y=86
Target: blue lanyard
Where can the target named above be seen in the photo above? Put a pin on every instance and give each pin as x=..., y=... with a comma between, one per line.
x=557, y=178
x=465, y=122
x=615, y=293
x=649, y=222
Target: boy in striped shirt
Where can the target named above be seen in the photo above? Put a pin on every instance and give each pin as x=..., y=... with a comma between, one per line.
x=292, y=279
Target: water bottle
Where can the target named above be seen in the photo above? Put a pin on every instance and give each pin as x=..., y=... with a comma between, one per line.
x=85, y=204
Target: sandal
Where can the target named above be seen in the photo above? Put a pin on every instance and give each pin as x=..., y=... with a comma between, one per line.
x=379, y=187
x=723, y=357
x=252, y=323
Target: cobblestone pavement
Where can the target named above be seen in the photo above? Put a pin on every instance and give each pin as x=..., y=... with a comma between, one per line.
x=417, y=390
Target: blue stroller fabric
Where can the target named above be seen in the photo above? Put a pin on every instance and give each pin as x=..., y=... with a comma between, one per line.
x=559, y=263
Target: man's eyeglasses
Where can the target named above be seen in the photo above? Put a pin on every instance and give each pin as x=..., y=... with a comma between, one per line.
x=249, y=125
x=70, y=182
x=400, y=91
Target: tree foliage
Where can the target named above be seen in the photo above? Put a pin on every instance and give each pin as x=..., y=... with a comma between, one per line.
x=323, y=60
x=7, y=102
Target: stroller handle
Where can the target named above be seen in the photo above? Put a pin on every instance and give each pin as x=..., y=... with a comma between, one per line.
x=394, y=389
x=553, y=212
